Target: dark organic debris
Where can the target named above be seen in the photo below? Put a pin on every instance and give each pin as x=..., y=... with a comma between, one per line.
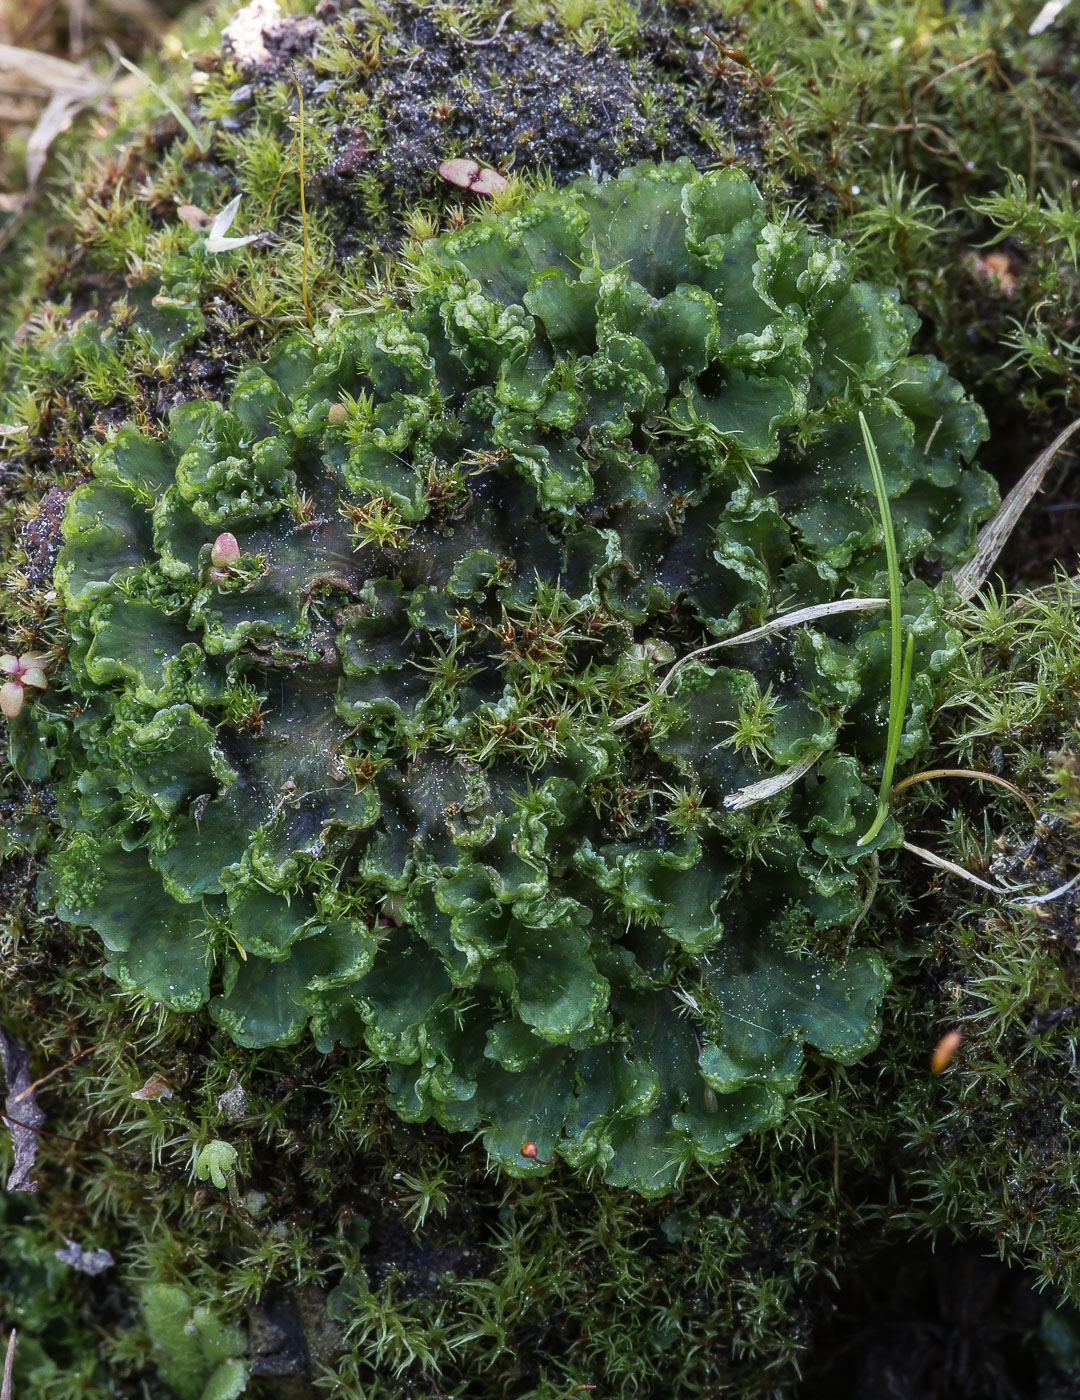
x=233, y=1102
x=292, y=1337
x=40, y=537
x=1047, y=861
x=910, y=1327
x=527, y=99
x=86, y=1261
x=22, y=1114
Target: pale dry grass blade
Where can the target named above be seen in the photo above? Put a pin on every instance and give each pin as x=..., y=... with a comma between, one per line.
x=970, y=577
x=77, y=10
x=218, y=239
x=56, y=118
x=754, y=793
x=66, y=87
x=756, y=634
x=28, y=69
x=953, y=869
x=1047, y=16
x=9, y=1365
x=1024, y=901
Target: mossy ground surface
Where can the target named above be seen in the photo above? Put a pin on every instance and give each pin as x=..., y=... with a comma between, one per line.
x=365, y=1257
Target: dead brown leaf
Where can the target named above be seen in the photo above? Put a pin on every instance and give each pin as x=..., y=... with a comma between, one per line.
x=193, y=216
x=156, y=1087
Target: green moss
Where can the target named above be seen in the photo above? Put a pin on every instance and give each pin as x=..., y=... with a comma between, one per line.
x=525, y=1288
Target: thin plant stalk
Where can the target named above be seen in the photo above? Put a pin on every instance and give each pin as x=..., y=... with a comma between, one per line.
x=303, y=209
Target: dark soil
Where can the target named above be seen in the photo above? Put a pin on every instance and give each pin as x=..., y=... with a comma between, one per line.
x=914, y=1325
x=519, y=98
x=40, y=537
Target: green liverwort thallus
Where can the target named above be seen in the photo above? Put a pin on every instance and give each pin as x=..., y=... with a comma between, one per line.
x=349, y=655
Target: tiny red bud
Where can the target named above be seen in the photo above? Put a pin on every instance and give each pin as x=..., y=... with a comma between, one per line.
x=531, y=1151
x=225, y=550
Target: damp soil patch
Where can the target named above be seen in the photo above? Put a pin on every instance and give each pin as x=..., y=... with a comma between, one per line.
x=513, y=98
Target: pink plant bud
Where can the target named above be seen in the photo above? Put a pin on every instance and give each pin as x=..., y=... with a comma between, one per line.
x=11, y=699
x=337, y=414
x=225, y=551
x=9, y=665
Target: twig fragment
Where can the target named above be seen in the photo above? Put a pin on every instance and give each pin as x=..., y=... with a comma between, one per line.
x=25, y=1093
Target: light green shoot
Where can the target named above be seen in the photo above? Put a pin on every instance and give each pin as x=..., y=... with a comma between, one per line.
x=901, y=659
x=163, y=97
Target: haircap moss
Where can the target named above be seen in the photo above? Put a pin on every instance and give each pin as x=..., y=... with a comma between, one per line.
x=352, y=657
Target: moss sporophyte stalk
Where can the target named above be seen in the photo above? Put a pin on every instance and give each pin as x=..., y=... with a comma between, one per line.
x=342, y=735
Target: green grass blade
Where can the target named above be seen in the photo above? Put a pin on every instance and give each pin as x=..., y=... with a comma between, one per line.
x=163, y=97
x=900, y=662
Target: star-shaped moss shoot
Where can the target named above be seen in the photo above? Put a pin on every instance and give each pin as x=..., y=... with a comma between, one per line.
x=402, y=705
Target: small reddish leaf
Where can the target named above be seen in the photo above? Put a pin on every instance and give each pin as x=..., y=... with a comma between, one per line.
x=471, y=175
x=488, y=182
x=35, y=676
x=11, y=699
x=156, y=1087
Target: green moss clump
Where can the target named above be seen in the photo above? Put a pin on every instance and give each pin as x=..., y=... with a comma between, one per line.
x=371, y=730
